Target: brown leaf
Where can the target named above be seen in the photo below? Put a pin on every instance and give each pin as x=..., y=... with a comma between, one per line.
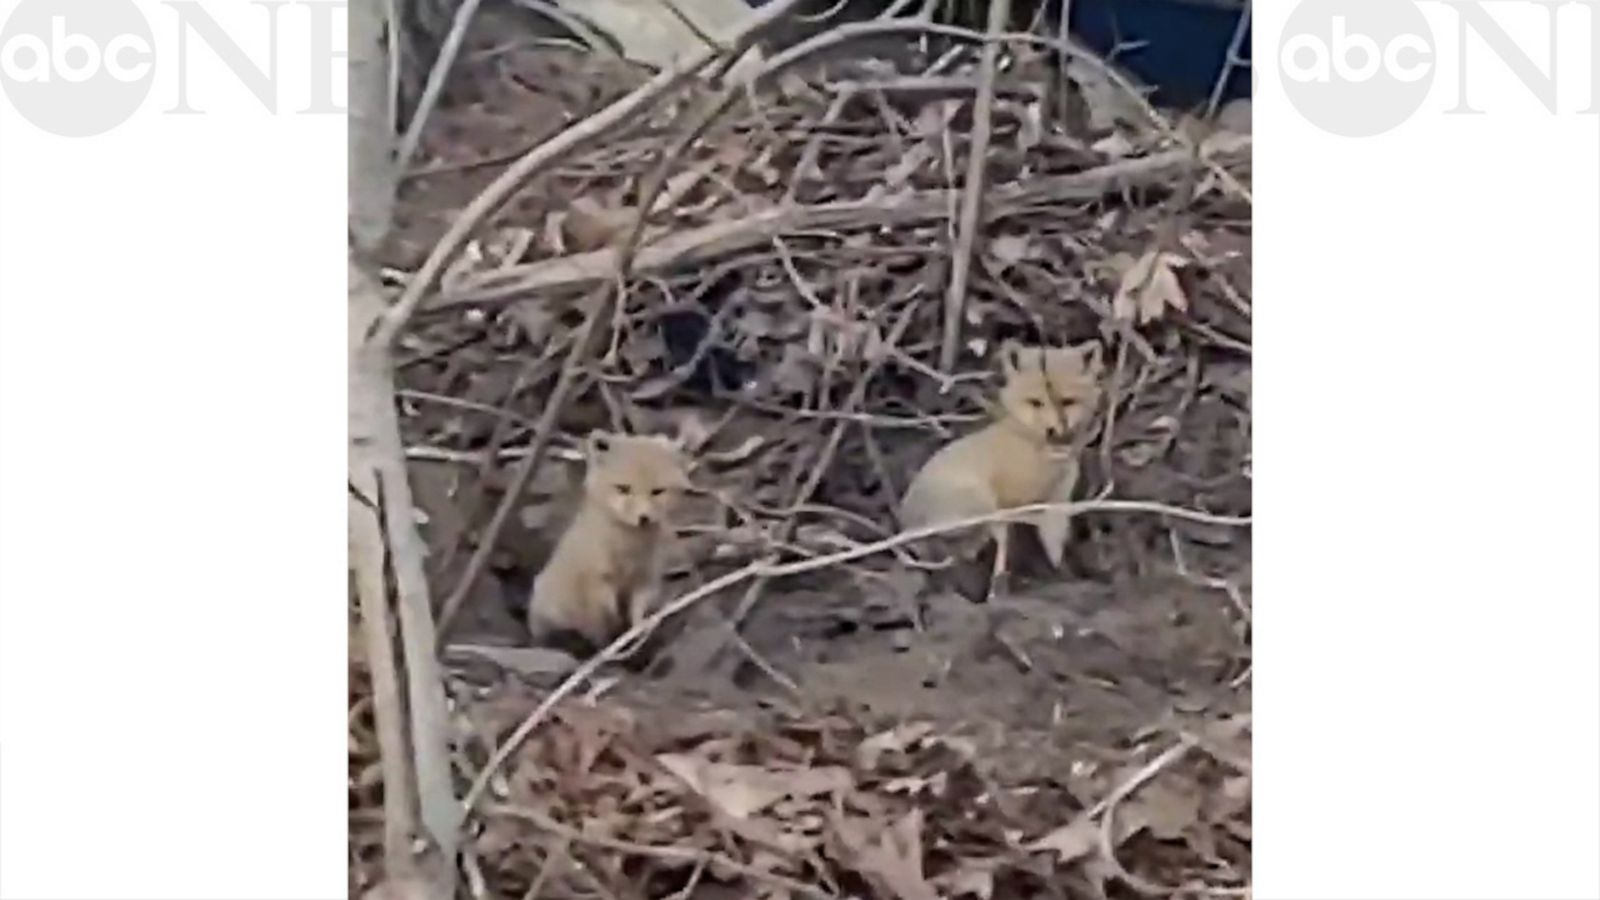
x=1072, y=841
x=895, y=740
x=1167, y=811
x=590, y=226
x=741, y=791
x=888, y=857
x=1148, y=287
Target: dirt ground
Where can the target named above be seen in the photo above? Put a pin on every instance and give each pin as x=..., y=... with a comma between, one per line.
x=1029, y=677
x=956, y=748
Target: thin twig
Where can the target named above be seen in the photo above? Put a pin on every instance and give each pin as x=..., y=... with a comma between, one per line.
x=1220, y=584
x=819, y=469
x=1108, y=818
x=462, y=403
x=803, y=493
x=594, y=41
x=762, y=663
x=972, y=200
x=553, y=860
x=1234, y=59
x=566, y=384
x=435, y=84
x=767, y=569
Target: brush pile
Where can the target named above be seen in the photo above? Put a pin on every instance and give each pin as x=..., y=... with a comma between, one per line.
x=798, y=289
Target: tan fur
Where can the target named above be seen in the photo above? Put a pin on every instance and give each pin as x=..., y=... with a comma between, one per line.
x=605, y=570
x=1014, y=461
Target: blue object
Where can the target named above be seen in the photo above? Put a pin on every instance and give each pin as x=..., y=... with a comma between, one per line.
x=1183, y=44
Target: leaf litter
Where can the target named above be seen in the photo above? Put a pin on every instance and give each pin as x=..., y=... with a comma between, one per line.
x=811, y=800
x=931, y=752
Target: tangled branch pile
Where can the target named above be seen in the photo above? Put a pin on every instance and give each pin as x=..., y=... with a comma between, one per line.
x=785, y=275
x=791, y=282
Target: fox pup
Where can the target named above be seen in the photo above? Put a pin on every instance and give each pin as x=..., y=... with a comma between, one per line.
x=1048, y=393
x=606, y=569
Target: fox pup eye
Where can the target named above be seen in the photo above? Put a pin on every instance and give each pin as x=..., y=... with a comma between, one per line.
x=1036, y=403
x=658, y=492
x=624, y=490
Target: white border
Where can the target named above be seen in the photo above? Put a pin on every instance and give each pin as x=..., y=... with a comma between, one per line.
x=172, y=606
x=171, y=421
x=1427, y=467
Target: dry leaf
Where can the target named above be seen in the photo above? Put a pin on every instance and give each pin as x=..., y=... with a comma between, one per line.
x=969, y=881
x=1054, y=525
x=1072, y=841
x=1166, y=811
x=891, y=858
x=590, y=226
x=1114, y=145
x=727, y=790
x=895, y=740
x=742, y=791
x=1148, y=287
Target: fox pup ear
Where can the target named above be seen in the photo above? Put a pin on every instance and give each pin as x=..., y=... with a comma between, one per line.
x=1010, y=358
x=1089, y=352
x=600, y=443
x=675, y=443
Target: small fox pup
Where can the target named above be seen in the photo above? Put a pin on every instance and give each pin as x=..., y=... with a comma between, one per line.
x=1048, y=393
x=606, y=569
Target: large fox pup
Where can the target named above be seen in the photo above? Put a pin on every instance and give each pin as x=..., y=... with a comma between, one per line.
x=606, y=570
x=1019, y=458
